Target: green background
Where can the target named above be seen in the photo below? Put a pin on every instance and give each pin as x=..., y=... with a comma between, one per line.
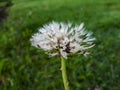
x=23, y=67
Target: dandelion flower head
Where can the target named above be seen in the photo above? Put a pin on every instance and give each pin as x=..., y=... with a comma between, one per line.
x=63, y=39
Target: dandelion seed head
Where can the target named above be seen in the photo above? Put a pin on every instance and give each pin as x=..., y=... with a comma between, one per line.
x=63, y=39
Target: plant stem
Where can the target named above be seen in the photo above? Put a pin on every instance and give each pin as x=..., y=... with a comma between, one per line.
x=64, y=73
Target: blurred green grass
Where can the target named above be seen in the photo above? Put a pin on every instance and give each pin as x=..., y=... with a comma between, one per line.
x=27, y=68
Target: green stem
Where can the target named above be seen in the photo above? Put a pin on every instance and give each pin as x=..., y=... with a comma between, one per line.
x=64, y=73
